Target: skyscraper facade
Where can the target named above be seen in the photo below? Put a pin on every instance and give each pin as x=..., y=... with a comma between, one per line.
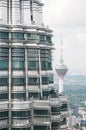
x=27, y=97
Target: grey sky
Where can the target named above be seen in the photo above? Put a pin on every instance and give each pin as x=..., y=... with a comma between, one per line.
x=68, y=19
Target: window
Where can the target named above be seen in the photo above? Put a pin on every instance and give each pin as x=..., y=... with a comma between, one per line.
x=44, y=80
x=55, y=124
x=64, y=107
x=50, y=79
x=4, y=35
x=32, y=36
x=18, y=81
x=4, y=53
x=3, y=64
x=44, y=53
x=47, y=79
x=17, y=50
x=21, y=114
x=49, y=40
x=33, y=81
x=18, y=96
x=34, y=95
x=3, y=96
x=32, y=65
x=46, y=93
x=16, y=64
x=55, y=109
x=63, y=122
x=18, y=53
x=41, y=128
x=41, y=112
x=17, y=35
x=49, y=64
x=32, y=53
x=42, y=38
x=3, y=81
x=5, y=129
x=44, y=65
x=21, y=128
x=4, y=114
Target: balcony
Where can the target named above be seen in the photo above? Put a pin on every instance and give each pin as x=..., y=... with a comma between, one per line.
x=3, y=123
x=3, y=73
x=55, y=117
x=23, y=105
x=32, y=73
x=55, y=102
x=63, y=99
x=3, y=105
x=17, y=122
x=45, y=86
x=42, y=121
x=41, y=104
x=64, y=113
x=63, y=126
x=3, y=88
x=18, y=73
x=33, y=88
x=44, y=72
x=55, y=128
x=33, y=41
x=18, y=88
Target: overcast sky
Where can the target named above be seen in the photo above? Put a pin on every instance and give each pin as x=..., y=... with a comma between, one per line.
x=67, y=19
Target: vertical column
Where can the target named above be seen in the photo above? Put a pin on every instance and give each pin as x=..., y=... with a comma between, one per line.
x=3, y=11
x=32, y=114
x=40, y=21
x=31, y=10
x=35, y=13
x=26, y=12
x=9, y=11
x=21, y=12
x=40, y=76
x=26, y=73
x=9, y=88
x=15, y=12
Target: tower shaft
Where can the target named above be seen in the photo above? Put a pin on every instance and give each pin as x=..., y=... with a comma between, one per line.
x=60, y=85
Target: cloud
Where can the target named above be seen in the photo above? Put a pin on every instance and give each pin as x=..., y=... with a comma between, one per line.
x=66, y=13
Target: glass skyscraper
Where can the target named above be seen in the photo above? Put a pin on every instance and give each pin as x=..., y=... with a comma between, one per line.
x=27, y=97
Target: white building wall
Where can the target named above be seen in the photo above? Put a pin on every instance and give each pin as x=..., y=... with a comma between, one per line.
x=40, y=16
x=3, y=11
x=26, y=12
x=37, y=14
x=15, y=12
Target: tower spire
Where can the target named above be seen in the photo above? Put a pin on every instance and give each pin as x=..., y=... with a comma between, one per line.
x=61, y=52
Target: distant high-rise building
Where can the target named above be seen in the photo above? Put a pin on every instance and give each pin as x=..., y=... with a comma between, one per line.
x=27, y=97
x=75, y=110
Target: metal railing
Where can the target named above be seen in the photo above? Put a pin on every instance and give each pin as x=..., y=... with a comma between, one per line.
x=3, y=122
x=3, y=105
x=41, y=120
x=17, y=122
